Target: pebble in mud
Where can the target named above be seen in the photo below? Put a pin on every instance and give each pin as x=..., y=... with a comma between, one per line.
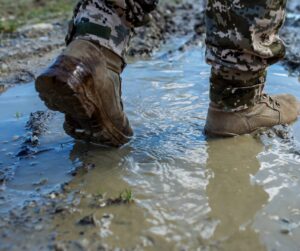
x=42, y=182
x=285, y=231
x=2, y=177
x=59, y=247
x=280, y=131
x=3, y=67
x=287, y=226
x=88, y=220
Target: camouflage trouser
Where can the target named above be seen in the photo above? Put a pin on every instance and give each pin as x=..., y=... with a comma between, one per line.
x=242, y=41
x=108, y=22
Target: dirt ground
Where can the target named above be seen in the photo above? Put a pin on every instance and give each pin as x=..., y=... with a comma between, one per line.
x=28, y=50
x=25, y=52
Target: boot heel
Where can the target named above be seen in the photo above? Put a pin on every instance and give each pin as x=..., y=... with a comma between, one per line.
x=62, y=90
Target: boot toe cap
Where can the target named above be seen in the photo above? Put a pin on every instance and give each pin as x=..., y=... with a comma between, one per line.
x=289, y=108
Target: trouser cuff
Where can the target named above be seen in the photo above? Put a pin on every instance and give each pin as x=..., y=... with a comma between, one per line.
x=96, y=22
x=235, y=90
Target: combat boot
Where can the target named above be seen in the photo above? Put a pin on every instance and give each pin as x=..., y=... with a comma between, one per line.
x=267, y=112
x=239, y=106
x=84, y=84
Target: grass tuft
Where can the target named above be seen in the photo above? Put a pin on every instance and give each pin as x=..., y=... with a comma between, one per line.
x=14, y=14
x=126, y=196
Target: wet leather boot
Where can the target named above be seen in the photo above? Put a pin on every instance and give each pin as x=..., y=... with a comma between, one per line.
x=267, y=112
x=84, y=84
x=238, y=105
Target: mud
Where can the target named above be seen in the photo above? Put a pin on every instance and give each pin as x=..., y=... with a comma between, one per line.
x=170, y=188
x=25, y=52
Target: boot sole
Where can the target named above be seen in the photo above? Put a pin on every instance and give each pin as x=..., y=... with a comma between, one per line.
x=59, y=95
x=213, y=134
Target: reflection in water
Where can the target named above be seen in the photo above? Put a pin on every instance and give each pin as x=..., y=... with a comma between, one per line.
x=115, y=226
x=169, y=208
x=234, y=201
x=170, y=219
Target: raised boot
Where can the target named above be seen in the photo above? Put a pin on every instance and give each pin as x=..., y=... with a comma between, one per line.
x=84, y=84
x=239, y=107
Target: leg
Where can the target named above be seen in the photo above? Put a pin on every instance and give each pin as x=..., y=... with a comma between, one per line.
x=242, y=41
x=84, y=81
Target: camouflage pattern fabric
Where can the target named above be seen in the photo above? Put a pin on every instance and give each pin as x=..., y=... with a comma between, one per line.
x=242, y=41
x=108, y=22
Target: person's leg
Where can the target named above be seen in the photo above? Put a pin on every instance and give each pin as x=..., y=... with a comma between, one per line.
x=242, y=41
x=84, y=81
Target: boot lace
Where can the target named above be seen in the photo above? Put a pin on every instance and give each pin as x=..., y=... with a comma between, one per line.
x=270, y=100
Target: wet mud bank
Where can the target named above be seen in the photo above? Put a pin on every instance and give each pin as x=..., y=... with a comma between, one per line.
x=25, y=52
x=33, y=47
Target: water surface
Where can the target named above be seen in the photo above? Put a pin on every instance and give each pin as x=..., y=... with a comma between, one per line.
x=190, y=193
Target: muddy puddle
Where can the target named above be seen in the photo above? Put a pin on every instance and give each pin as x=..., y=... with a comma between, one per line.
x=169, y=189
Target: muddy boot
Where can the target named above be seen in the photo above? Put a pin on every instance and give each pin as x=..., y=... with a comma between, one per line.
x=236, y=110
x=85, y=85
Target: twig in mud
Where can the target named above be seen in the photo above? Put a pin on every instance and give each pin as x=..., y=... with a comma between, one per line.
x=27, y=152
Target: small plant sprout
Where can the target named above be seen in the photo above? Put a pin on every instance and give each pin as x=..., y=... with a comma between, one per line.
x=18, y=115
x=127, y=196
